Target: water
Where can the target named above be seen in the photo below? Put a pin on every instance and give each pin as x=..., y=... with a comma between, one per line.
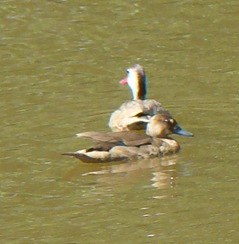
x=60, y=64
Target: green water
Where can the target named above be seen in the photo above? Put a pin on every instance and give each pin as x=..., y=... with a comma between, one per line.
x=60, y=66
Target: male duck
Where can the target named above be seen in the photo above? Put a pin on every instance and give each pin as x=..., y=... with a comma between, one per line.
x=128, y=145
x=131, y=115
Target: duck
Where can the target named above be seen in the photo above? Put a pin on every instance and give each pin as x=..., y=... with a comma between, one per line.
x=133, y=114
x=132, y=145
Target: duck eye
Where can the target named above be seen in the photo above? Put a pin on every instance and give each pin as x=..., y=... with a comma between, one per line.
x=170, y=121
x=127, y=71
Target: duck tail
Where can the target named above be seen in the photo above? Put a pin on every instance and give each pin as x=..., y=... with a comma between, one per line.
x=69, y=154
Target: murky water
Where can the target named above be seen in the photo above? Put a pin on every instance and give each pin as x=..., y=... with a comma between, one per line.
x=60, y=63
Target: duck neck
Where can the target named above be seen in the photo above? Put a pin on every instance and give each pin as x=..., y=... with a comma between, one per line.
x=139, y=92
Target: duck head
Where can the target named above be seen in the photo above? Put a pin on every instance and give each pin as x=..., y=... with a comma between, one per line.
x=136, y=80
x=162, y=125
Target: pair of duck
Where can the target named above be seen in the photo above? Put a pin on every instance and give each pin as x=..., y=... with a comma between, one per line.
x=124, y=142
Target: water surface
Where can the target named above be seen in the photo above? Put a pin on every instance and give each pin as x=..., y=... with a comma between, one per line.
x=60, y=66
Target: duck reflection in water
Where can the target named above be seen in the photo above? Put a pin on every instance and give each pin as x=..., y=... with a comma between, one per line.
x=162, y=172
x=129, y=145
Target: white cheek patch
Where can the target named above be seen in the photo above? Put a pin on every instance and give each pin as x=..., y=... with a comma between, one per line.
x=133, y=80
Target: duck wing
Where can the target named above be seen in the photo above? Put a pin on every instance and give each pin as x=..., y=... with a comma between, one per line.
x=134, y=115
x=98, y=136
x=110, y=139
x=111, y=146
x=131, y=138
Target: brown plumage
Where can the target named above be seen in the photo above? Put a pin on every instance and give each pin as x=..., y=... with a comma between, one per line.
x=127, y=145
x=133, y=115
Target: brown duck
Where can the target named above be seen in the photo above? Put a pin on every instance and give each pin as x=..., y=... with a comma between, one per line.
x=128, y=145
x=131, y=115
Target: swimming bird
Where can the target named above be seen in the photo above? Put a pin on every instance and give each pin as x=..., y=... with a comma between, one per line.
x=133, y=114
x=129, y=145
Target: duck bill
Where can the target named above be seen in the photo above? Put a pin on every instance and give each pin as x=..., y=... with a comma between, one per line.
x=180, y=131
x=123, y=81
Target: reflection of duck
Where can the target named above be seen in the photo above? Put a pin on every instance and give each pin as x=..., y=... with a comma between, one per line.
x=161, y=171
x=131, y=114
x=125, y=145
